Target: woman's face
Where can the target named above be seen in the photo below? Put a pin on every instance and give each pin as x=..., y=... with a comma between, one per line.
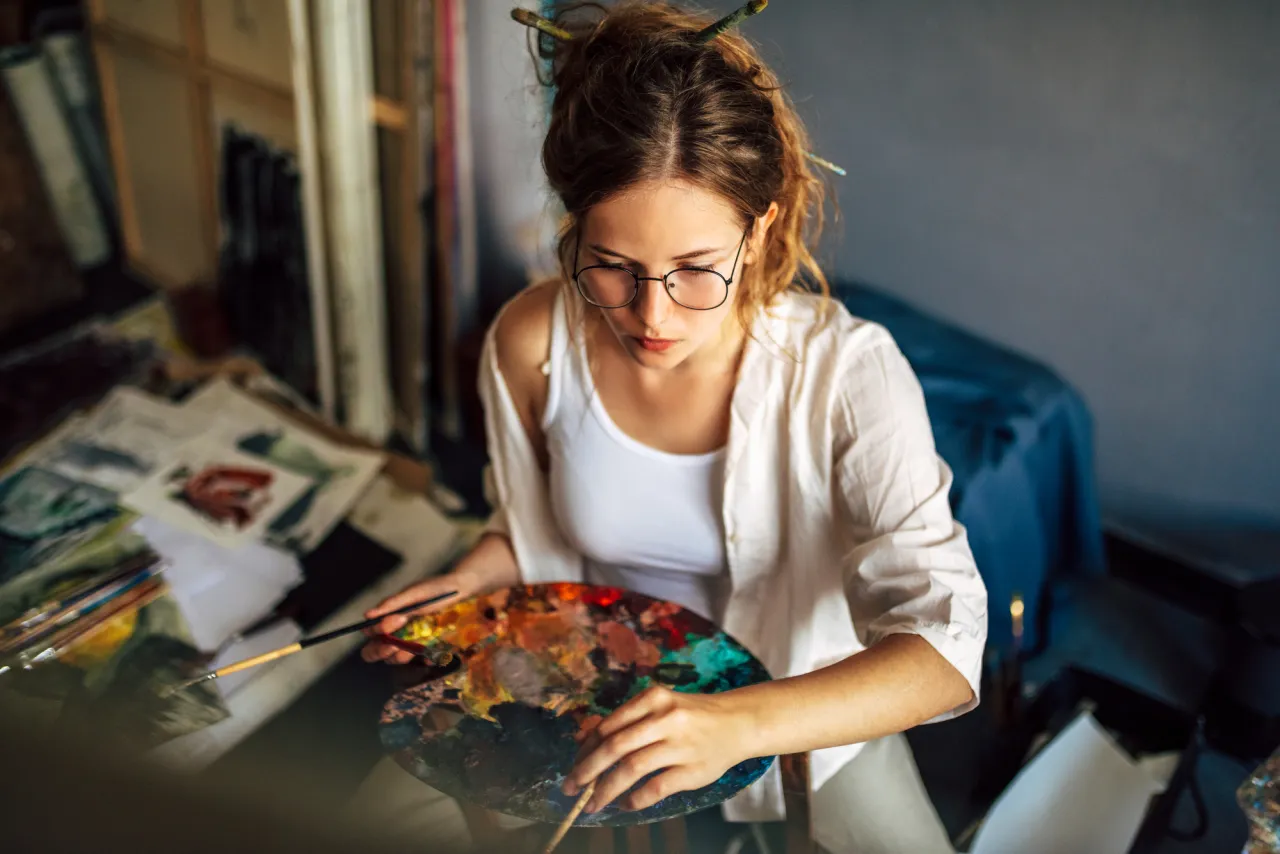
x=652, y=229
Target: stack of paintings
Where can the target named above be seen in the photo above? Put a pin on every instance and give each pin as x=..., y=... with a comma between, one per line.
x=92, y=617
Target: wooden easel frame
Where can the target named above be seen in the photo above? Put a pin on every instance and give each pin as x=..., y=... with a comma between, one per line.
x=190, y=60
x=109, y=38
x=418, y=36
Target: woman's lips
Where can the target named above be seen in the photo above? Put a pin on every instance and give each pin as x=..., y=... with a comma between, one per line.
x=656, y=345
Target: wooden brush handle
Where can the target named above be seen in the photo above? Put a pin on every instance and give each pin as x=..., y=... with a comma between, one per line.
x=259, y=659
x=571, y=817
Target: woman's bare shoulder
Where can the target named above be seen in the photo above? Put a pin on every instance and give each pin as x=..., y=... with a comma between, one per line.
x=522, y=338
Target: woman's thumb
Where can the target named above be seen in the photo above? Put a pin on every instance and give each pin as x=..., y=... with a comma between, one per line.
x=431, y=589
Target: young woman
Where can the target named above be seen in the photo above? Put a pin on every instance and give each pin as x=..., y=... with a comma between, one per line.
x=679, y=418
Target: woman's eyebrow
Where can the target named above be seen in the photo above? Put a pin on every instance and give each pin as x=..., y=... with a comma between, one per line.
x=604, y=250
x=697, y=253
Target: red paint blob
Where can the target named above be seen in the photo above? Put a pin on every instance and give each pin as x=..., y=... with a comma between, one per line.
x=601, y=597
x=673, y=632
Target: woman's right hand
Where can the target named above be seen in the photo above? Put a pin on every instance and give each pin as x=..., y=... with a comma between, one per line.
x=375, y=650
x=490, y=566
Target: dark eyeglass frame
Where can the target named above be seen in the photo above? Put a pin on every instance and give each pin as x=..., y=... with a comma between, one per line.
x=635, y=290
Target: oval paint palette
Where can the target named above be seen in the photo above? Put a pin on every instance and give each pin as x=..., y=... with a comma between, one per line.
x=534, y=665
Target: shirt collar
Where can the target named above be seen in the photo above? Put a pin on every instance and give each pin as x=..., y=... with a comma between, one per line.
x=767, y=342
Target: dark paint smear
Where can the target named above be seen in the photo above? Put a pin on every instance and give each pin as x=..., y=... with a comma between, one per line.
x=675, y=674
x=599, y=659
x=615, y=688
x=515, y=767
x=522, y=750
x=434, y=672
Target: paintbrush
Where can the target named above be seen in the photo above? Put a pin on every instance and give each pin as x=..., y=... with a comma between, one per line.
x=537, y=22
x=61, y=641
x=298, y=646
x=76, y=596
x=728, y=22
x=707, y=34
x=733, y=19
x=56, y=620
x=578, y=807
x=826, y=164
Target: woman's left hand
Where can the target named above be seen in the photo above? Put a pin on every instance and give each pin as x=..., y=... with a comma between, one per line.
x=691, y=738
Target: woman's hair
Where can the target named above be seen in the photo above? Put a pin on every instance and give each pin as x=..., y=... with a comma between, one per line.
x=638, y=97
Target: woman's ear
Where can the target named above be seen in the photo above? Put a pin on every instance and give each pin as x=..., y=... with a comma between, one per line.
x=760, y=231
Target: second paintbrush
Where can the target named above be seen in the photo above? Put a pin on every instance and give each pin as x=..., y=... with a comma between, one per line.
x=300, y=645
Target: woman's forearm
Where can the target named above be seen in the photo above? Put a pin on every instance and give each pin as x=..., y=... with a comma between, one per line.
x=491, y=563
x=900, y=682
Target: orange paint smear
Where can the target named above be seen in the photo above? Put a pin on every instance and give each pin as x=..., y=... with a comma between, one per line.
x=540, y=632
x=481, y=690
x=566, y=592
x=626, y=647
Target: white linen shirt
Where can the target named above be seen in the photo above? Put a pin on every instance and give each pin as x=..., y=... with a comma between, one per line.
x=838, y=529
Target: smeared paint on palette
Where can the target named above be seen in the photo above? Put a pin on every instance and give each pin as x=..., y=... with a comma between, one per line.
x=533, y=666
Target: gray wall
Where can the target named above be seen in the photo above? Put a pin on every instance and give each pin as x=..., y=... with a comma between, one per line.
x=1095, y=183
x=508, y=112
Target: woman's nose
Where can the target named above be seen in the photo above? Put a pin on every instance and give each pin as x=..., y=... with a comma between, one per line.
x=653, y=304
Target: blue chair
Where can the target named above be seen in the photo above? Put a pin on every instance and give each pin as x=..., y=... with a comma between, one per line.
x=1020, y=442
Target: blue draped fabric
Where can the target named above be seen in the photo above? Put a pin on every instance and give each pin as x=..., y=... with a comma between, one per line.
x=1020, y=442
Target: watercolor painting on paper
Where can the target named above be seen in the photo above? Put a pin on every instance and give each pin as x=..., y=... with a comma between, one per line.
x=338, y=475
x=43, y=515
x=225, y=495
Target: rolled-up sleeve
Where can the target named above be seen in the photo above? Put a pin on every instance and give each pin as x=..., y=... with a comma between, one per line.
x=515, y=486
x=497, y=523
x=908, y=567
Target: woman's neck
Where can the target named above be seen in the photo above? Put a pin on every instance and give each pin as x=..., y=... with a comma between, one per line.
x=719, y=354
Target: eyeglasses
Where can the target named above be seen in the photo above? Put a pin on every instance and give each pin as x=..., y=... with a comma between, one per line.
x=615, y=286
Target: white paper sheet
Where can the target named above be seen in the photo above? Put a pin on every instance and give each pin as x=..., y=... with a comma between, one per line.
x=220, y=591
x=122, y=441
x=1082, y=793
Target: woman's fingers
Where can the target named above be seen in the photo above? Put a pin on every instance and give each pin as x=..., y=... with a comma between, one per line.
x=394, y=623
x=377, y=651
x=659, y=788
x=611, y=750
x=586, y=732
x=637, y=708
x=616, y=736
x=415, y=593
x=629, y=772
x=455, y=583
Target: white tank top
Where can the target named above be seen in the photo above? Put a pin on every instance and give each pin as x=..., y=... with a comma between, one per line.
x=643, y=519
